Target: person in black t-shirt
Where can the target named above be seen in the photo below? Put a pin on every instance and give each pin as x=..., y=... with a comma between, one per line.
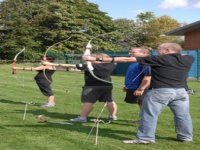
x=169, y=70
x=95, y=89
x=44, y=79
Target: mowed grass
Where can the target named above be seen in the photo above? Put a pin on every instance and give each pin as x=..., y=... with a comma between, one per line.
x=28, y=134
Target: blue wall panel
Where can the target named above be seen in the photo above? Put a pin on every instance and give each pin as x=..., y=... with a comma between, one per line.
x=194, y=71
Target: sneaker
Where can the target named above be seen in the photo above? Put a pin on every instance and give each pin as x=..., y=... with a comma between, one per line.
x=137, y=141
x=112, y=118
x=41, y=118
x=191, y=91
x=79, y=119
x=48, y=105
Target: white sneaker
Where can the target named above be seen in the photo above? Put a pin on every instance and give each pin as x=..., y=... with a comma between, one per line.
x=185, y=140
x=79, y=119
x=112, y=118
x=137, y=141
x=48, y=105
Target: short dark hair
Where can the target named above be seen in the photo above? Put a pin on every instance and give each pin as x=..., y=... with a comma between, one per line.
x=143, y=49
x=48, y=58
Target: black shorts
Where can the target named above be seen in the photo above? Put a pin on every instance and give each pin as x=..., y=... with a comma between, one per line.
x=91, y=94
x=132, y=99
x=45, y=88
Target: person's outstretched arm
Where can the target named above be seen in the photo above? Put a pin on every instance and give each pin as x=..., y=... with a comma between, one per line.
x=109, y=59
x=33, y=68
x=60, y=65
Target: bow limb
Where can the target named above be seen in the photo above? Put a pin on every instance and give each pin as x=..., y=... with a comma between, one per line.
x=89, y=63
x=14, y=63
x=45, y=55
x=13, y=66
x=44, y=73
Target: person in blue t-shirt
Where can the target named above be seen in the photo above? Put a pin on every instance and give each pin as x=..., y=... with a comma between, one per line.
x=137, y=78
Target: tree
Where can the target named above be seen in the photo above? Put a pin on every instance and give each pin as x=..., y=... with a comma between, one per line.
x=134, y=32
x=145, y=17
x=129, y=33
x=156, y=28
x=39, y=24
x=147, y=30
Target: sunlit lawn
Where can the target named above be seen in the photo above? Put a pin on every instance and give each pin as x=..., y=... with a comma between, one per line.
x=58, y=134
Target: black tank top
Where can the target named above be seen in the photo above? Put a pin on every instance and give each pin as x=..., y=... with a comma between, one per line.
x=41, y=77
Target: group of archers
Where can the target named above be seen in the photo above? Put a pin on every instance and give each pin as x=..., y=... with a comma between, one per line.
x=152, y=82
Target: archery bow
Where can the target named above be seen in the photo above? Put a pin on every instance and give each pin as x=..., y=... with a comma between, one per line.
x=14, y=65
x=45, y=54
x=15, y=61
x=87, y=52
x=89, y=63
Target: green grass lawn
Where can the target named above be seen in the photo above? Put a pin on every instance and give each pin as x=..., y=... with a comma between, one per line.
x=28, y=134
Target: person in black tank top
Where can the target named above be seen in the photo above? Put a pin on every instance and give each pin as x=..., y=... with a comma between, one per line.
x=43, y=79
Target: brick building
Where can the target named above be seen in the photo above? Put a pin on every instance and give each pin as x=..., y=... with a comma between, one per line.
x=191, y=33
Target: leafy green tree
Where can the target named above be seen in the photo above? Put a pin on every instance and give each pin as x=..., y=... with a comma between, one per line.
x=37, y=25
x=134, y=33
x=145, y=17
x=129, y=32
x=156, y=28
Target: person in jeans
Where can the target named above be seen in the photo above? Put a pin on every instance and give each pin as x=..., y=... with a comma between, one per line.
x=169, y=70
x=95, y=90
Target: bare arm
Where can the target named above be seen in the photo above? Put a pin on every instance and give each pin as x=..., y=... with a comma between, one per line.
x=23, y=68
x=124, y=59
x=40, y=68
x=144, y=85
x=34, y=68
x=110, y=59
x=60, y=65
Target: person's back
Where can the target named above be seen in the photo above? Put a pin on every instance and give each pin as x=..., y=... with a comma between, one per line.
x=168, y=71
x=101, y=70
x=41, y=77
x=97, y=90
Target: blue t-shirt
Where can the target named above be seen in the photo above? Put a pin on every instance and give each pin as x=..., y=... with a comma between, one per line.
x=135, y=74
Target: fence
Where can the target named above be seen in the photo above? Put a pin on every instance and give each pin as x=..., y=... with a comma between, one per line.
x=195, y=69
x=121, y=68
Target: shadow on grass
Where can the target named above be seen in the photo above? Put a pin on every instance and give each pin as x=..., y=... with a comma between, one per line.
x=5, y=101
x=167, y=138
x=61, y=120
x=104, y=130
x=10, y=102
x=2, y=127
